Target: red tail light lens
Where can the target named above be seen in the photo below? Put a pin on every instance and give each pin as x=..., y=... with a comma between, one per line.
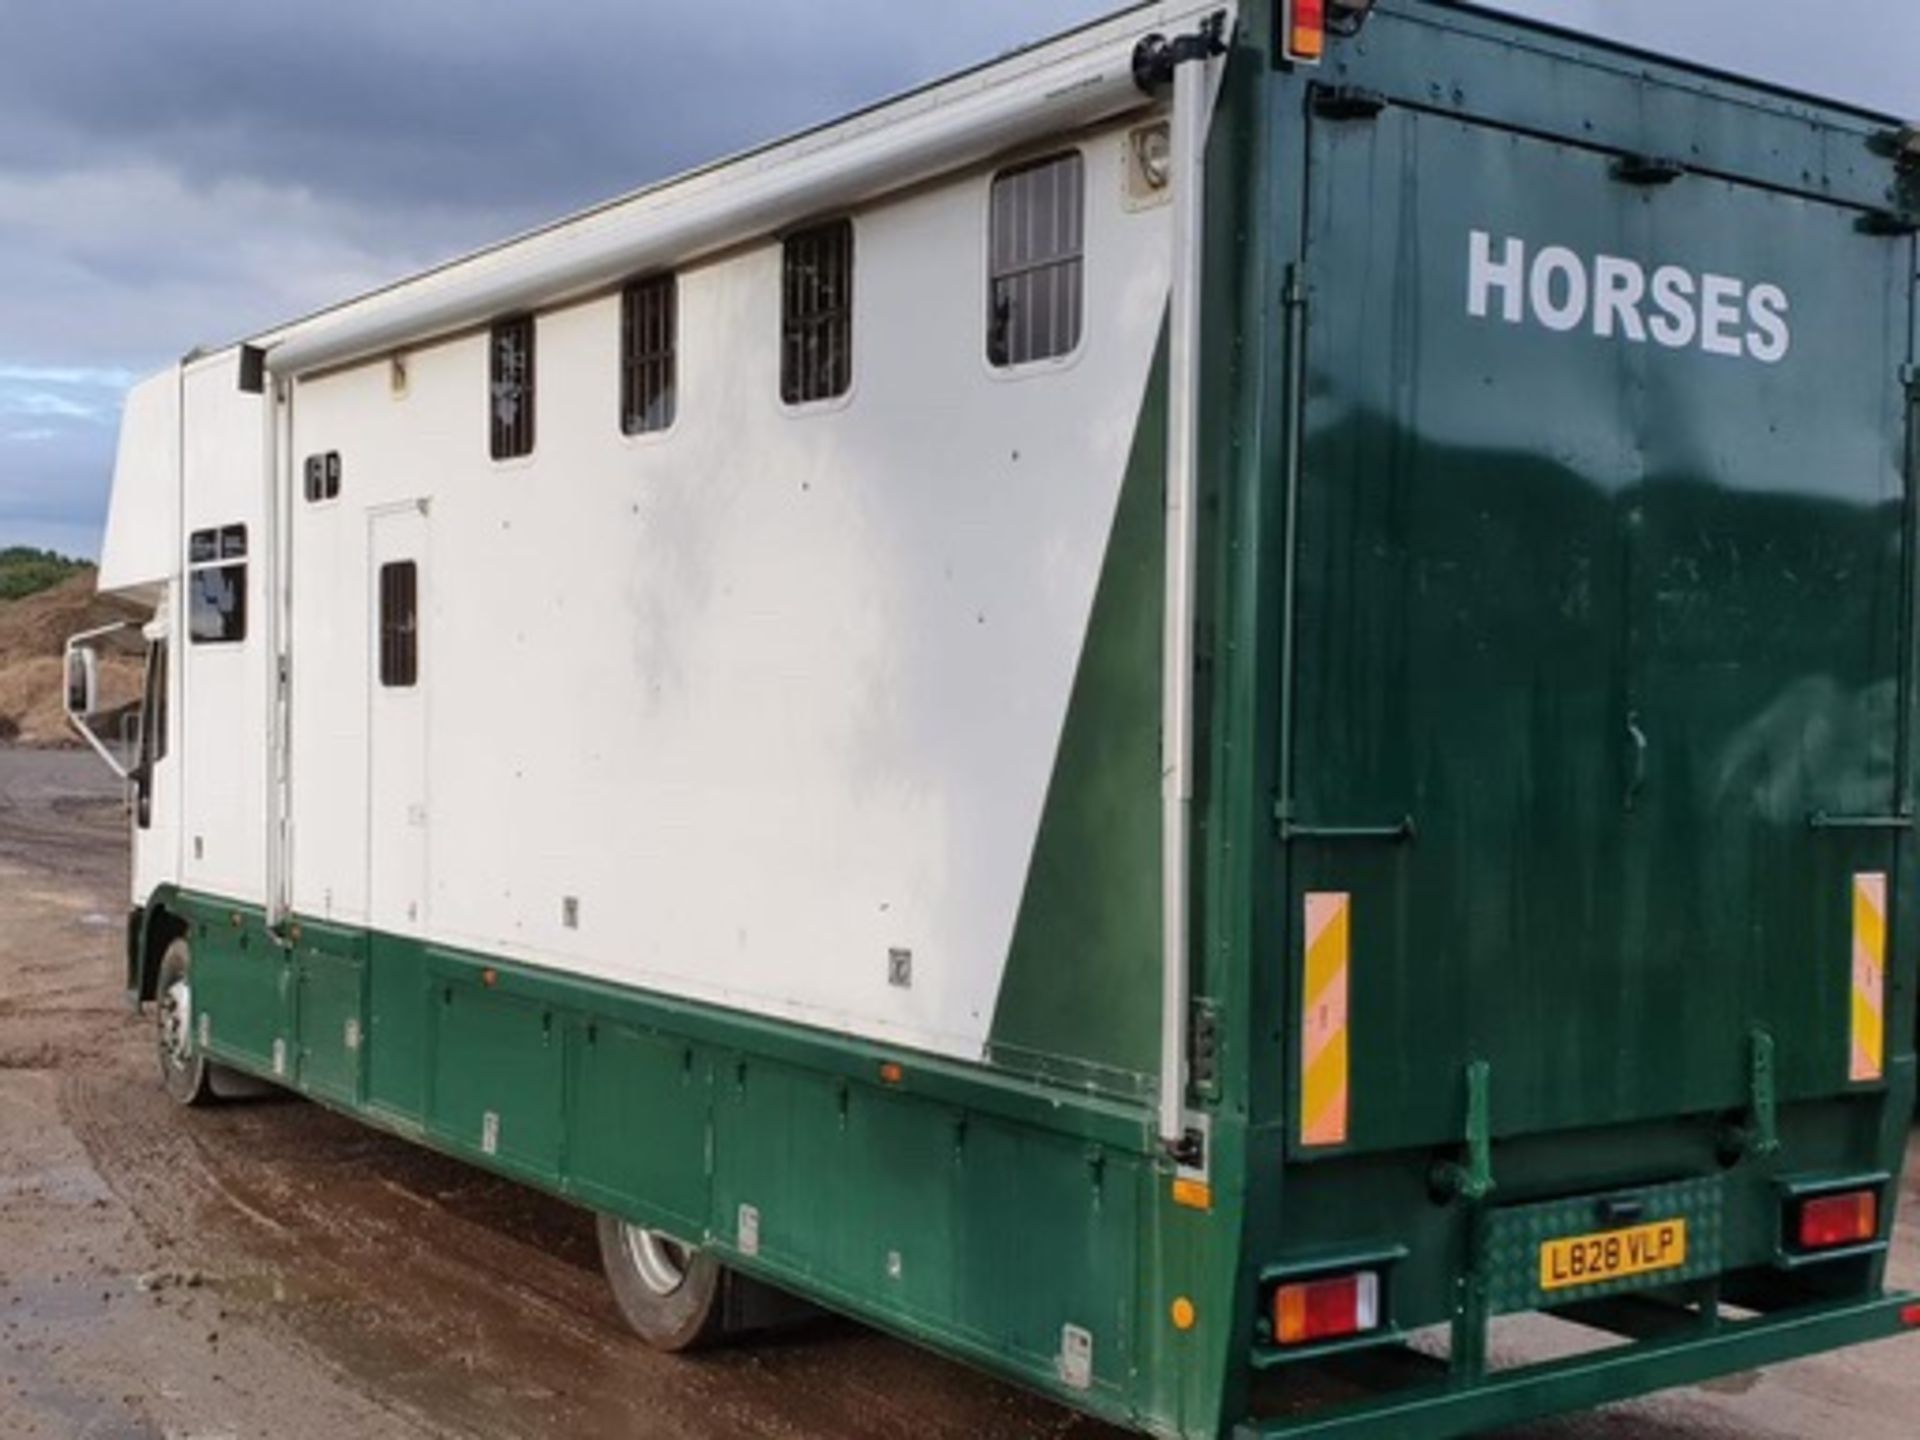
x=1326, y=1309
x=1834, y=1220
x=1306, y=30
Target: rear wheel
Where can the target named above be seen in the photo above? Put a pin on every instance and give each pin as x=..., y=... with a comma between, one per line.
x=184, y=1070
x=670, y=1293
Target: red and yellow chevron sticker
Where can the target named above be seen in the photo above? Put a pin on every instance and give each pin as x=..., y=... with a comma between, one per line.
x=1324, y=1099
x=1869, y=977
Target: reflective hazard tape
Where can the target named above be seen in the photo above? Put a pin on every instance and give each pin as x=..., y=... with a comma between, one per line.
x=1869, y=977
x=1324, y=1099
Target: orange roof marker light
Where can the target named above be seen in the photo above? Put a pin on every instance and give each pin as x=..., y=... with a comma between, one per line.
x=1306, y=31
x=1305, y=25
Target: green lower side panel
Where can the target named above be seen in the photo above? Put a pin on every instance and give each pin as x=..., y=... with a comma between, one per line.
x=986, y=1216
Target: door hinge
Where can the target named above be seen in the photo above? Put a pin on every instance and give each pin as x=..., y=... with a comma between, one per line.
x=1347, y=102
x=1401, y=832
x=1888, y=224
x=1294, y=293
x=1647, y=170
x=1203, y=1052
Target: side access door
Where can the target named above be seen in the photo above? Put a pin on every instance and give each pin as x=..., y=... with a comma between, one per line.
x=1598, y=671
x=396, y=723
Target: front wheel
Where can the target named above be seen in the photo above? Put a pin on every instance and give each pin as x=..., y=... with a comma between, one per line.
x=184, y=1070
x=670, y=1293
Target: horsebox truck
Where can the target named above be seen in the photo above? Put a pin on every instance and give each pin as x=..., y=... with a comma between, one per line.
x=1190, y=717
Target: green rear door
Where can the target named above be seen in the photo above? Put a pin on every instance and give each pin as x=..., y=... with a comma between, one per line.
x=1599, y=584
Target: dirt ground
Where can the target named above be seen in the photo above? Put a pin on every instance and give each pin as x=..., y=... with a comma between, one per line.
x=267, y=1269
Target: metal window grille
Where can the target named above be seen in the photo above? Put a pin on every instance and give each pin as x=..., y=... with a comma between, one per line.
x=816, y=318
x=1035, y=307
x=648, y=326
x=510, y=388
x=216, y=586
x=399, y=624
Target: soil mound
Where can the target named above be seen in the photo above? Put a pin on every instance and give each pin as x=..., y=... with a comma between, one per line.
x=33, y=636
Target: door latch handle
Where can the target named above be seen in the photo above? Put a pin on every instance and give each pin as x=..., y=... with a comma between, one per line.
x=1637, y=761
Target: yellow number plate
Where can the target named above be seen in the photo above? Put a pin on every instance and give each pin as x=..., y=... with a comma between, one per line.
x=1613, y=1255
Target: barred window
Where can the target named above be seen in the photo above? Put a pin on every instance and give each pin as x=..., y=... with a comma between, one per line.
x=816, y=315
x=399, y=624
x=217, y=589
x=1036, y=268
x=510, y=388
x=323, y=476
x=648, y=328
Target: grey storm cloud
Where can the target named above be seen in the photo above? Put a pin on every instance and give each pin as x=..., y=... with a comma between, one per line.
x=186, y=172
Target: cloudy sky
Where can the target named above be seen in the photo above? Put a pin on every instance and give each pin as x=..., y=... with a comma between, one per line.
x=187, y=172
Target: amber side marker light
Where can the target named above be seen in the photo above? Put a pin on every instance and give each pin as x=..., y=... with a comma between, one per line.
x=1330, y=1309
x=1830, y=1221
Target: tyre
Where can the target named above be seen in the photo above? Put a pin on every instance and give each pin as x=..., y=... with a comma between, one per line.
x=673, y=1295
x=184, y=1070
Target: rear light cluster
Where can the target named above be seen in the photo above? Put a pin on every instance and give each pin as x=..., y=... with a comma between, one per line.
x=1306, y=30
x=1828, y=1222
x=1326, y=1309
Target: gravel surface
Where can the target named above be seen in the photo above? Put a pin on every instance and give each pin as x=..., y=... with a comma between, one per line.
x=270, y=1269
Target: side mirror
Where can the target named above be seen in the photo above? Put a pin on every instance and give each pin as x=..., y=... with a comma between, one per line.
x=83, y=681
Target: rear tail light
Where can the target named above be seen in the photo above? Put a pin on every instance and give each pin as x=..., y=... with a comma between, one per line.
x=1910, y=1317
x=1830, y=1221
x=1306, y=30
x=1329, y=1309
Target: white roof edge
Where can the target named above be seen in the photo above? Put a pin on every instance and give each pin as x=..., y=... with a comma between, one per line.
x=1078, y=79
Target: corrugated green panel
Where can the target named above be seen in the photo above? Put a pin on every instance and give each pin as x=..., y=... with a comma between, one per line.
x=497, y=1071
x=637, y=1126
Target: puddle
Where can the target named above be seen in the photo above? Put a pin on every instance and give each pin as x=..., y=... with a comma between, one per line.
x=56, y=1302
x=64, y=1184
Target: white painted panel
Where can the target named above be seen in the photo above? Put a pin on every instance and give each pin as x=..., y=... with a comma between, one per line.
x=223, y=723
x=142, y=541
x=773, y=693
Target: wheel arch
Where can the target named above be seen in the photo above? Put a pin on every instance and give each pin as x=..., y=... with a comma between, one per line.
x=157, y=925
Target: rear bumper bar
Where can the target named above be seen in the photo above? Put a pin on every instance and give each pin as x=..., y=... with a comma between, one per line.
x=1463, y=1407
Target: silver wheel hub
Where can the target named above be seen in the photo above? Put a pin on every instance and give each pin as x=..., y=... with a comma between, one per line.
x=176, y=1023
x=659, y=1261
